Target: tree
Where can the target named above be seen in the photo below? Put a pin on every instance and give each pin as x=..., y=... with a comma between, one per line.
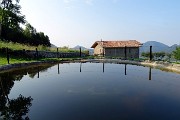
x=10, y=30
x=11, y=16
x=145, y=54
x=10, y=20
x=35, y=38
x=176, y=53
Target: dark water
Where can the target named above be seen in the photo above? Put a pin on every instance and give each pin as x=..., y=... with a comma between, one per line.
x=90, y=91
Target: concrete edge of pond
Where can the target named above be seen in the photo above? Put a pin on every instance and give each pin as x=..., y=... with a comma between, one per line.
x=155, y=64
x=21, y=65
x=170, y=67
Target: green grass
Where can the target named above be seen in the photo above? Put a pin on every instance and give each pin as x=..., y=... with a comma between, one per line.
x=18, y=46
x=14, y=59
x=3, y=60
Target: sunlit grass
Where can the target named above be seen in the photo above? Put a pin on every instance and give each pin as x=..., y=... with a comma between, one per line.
x=12, y=60
x=18, y=46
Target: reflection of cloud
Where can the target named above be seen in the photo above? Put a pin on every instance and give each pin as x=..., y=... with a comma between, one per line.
x=73, y=91
x=97, y=91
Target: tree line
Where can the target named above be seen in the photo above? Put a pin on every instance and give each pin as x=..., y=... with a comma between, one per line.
x=175, y=54
x=10, y=29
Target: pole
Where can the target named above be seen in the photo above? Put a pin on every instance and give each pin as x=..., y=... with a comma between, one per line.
x=150, y=53
x=80, y=66
x=125, y=69
x=149, y=73
x=58, y=68
x=7, y=53
x=79, y=51
x=36, y=54
x=103, y=67
x=125, y=52
x=38, y=71
x=57, y=53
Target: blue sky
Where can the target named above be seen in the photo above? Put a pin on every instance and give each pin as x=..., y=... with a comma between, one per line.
x=82, y=22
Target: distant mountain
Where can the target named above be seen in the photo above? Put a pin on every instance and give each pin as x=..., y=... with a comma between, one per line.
x=157, y=47
x=78, y=46
x=91, y=51
x=173, y=47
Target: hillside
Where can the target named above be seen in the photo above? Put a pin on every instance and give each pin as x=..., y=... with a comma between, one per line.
x=157, y=47
x=78, y=46
x=91, y=51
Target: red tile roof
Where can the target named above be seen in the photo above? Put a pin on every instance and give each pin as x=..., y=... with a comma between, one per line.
x=109, y=44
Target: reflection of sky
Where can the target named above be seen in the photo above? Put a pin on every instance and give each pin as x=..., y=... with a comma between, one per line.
x=93, y=92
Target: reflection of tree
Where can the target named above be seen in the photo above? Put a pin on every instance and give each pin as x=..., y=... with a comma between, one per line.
x=17, y=108
x=12, y=109
x=34, y=71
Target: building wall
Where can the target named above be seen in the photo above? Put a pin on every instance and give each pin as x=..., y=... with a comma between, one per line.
x=98, y=50
x=132, y=52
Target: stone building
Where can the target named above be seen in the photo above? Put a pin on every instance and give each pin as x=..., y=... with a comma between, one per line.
x=121, y=49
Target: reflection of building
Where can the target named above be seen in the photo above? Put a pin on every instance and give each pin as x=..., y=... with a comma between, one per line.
x=122, y=49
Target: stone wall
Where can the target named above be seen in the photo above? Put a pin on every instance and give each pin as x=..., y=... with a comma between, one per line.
x=48, y=54
x=41, y=54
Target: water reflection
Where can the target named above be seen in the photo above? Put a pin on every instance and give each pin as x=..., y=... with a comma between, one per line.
x=38, y=71
x=122, y=90
x=58, y=69
x=12, y=109
x=149, y=73
x=80, y=66
x=125, y=69
x=103, y=67
x=16, y=108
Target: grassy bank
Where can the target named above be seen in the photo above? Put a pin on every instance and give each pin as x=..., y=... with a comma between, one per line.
x=3, y=60
x=18, y=46
x=14, y=59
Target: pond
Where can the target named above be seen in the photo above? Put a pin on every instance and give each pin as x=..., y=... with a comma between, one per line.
x=89, y=91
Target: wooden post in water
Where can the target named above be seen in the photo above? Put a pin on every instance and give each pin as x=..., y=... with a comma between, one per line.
x=7, y=54
x=150, y=53
x=79, y=51
x=80, y=66
x=125, y=69
x=38, y=71
x=58, y=68
x=149, y=73
x=125, y=52
x=103, y=67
